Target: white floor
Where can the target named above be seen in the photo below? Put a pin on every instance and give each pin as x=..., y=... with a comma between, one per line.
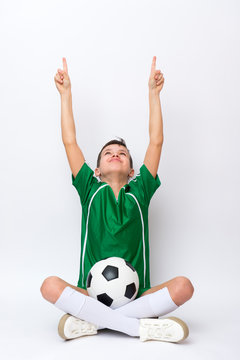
x=29, y=331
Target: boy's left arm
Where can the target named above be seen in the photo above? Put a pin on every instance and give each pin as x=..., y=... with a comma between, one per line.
x=154, y=149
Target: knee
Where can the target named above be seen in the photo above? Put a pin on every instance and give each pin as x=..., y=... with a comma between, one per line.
x=184, y=287
x=50, y=288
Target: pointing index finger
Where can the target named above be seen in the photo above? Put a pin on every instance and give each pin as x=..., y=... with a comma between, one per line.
x=65, y=65
x=153, y=67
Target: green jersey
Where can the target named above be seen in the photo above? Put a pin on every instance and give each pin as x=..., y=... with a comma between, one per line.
x=115, y=227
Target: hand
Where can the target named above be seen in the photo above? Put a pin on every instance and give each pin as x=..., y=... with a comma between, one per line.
x=62, y=79
x=156, y=79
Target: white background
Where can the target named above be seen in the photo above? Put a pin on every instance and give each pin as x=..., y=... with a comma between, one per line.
x=193, y=216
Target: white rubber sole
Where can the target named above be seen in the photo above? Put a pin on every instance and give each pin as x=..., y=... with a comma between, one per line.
x=170, y=329
x=70, y=327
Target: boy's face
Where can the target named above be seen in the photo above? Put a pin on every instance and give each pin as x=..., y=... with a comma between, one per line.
x=115, y=158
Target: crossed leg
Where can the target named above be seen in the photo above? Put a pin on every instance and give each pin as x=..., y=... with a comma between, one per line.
x=180, y=289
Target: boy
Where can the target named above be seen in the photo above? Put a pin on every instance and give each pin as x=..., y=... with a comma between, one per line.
x=115, y=223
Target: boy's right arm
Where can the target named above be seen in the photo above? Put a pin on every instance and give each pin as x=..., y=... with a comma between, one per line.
x=75, y=157
x=74, y=153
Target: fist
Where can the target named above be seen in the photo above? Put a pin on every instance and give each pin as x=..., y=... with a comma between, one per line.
x=62, y=79
x=156, y=79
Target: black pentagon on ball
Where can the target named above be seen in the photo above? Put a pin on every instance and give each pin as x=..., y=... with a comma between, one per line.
x=105, y=299
x=89, y=279
x=110, y=272
x=130, y=290
x=130, y=265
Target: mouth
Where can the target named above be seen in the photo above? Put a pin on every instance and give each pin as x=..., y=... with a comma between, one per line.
x=114, y=160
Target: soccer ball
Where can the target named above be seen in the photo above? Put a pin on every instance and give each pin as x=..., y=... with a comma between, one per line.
x=113, y=281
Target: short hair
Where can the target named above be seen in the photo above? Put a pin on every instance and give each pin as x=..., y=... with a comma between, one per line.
x=119, y=142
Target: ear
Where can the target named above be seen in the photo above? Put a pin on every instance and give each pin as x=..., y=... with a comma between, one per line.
x=131, y=173
x=97, y=172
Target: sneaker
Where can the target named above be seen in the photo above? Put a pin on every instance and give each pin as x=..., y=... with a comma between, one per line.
x=71, y=327
x=170, y=329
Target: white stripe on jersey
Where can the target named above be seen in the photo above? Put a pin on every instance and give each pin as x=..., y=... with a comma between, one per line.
x=85, y=240
x=143, y=238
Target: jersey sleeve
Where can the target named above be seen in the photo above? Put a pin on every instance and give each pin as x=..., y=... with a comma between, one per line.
x=83, y=182
x=145, y=184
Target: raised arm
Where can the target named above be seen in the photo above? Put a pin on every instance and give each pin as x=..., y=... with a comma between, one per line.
x=74, y=153
x=154, y=149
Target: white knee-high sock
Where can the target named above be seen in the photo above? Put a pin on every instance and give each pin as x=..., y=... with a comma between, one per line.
x=86, y=308
x=155, y=304
x=152, y=305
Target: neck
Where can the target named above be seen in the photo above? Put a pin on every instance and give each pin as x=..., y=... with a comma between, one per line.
x=115, y=183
